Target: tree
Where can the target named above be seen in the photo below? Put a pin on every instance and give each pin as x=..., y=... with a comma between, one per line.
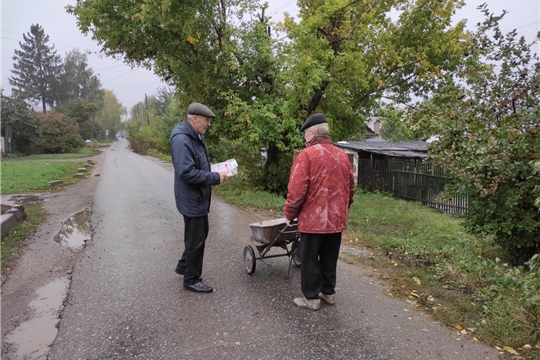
x=110, y=115
x=82, y=112
x=78, y=80
x=59, y=134
x=341, y=59
x=393, y=127
x=489, y=135
x=36, y=68
x=164, y=97
x=25, y=127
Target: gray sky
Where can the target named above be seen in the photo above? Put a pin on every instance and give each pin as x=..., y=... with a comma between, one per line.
x=130, y=85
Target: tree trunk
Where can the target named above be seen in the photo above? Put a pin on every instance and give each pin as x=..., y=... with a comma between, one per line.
x=44, y=106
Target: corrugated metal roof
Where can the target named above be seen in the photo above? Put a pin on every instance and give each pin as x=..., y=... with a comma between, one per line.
x=380, y=146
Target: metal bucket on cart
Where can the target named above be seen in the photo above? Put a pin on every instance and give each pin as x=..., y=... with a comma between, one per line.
x=270, y=234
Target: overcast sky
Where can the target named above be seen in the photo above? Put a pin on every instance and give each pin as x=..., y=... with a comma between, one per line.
x=130, y=85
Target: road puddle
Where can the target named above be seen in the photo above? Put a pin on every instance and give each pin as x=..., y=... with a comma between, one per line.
x=75, y=230
x=33, y=337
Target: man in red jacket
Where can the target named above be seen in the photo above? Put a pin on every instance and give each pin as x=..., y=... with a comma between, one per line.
x=320, y=192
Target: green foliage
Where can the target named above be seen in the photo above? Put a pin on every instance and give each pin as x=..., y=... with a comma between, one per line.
x=110, y=115
x=78, y=81
x=393, y=127
x=341, y=59
x=347, y=56
x=25, y=127
x=536, y=171
x=83, y=113
x=59, y=134
x=36, y=68
x=489, y=134
x=33, y=175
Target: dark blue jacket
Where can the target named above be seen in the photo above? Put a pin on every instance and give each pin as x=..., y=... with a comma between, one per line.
x=193, y=179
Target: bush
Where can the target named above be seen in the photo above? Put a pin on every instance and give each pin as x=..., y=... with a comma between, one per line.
x=59, y=134
x=488, y=136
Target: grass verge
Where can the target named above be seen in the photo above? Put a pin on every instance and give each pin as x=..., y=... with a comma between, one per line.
x=33, y=176
x=87, y=151
x=13, y=243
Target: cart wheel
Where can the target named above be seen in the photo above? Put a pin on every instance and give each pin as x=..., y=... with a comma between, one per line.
x=297, y=260
x=249, y=259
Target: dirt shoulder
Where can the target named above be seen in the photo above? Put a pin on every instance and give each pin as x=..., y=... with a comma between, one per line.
x=43, y=260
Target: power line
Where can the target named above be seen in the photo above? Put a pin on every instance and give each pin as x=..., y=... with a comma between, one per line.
x=288, y=3
x=110, y=67
x=536, y=22
x=120, y=75
x=133, y=87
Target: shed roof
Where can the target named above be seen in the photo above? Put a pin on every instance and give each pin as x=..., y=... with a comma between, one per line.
x=379, y=146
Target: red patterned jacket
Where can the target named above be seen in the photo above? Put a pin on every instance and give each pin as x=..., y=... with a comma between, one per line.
x=321, y=188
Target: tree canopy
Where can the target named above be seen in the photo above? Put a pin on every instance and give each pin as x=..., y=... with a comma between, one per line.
x=340, y=59
x=36, y=68
x=16, y=112
x=78, y=81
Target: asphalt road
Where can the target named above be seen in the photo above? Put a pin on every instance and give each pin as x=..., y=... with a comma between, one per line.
x=126, y=302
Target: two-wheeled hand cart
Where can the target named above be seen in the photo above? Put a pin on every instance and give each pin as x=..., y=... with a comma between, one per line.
x=270, y=234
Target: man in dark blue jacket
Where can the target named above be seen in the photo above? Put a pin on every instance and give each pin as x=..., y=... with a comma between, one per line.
x=193, y=182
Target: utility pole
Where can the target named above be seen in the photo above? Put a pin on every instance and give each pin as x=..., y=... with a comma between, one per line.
x=147, y=115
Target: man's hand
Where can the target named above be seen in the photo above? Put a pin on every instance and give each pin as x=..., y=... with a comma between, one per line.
x=222, y=177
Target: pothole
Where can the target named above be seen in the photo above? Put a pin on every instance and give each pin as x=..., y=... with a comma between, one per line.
x=32, y=338
x=75, y=230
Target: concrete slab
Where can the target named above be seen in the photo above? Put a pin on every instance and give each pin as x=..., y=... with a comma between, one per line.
x=7, y=221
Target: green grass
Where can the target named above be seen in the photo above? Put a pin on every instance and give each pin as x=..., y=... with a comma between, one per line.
x=13, y=243
x=33, y=176
x=236, y=193
x=83, y=152
x=159, y=155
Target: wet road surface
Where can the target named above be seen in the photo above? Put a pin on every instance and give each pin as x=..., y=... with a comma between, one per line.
x=126, y=302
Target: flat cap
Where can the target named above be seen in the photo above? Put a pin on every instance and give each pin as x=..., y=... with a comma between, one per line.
x=313, y=120
x=200, y=109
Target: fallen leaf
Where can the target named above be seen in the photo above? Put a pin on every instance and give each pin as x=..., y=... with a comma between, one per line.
x=416, y=280
x=237, y=343
x=511, y=350
x=457, y=326
x=464, y=332
x=527, y=347
x=458, y=339
x=475, y=339
x=225, y=333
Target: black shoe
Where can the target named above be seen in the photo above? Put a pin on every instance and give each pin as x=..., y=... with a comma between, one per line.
x=180, y=271
x=199, y=287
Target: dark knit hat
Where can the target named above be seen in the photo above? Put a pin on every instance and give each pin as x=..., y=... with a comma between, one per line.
x=313, y=120
x=200, y=109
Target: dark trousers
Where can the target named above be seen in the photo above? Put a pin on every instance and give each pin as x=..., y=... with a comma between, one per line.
x=319, y=254
x=195, y=233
